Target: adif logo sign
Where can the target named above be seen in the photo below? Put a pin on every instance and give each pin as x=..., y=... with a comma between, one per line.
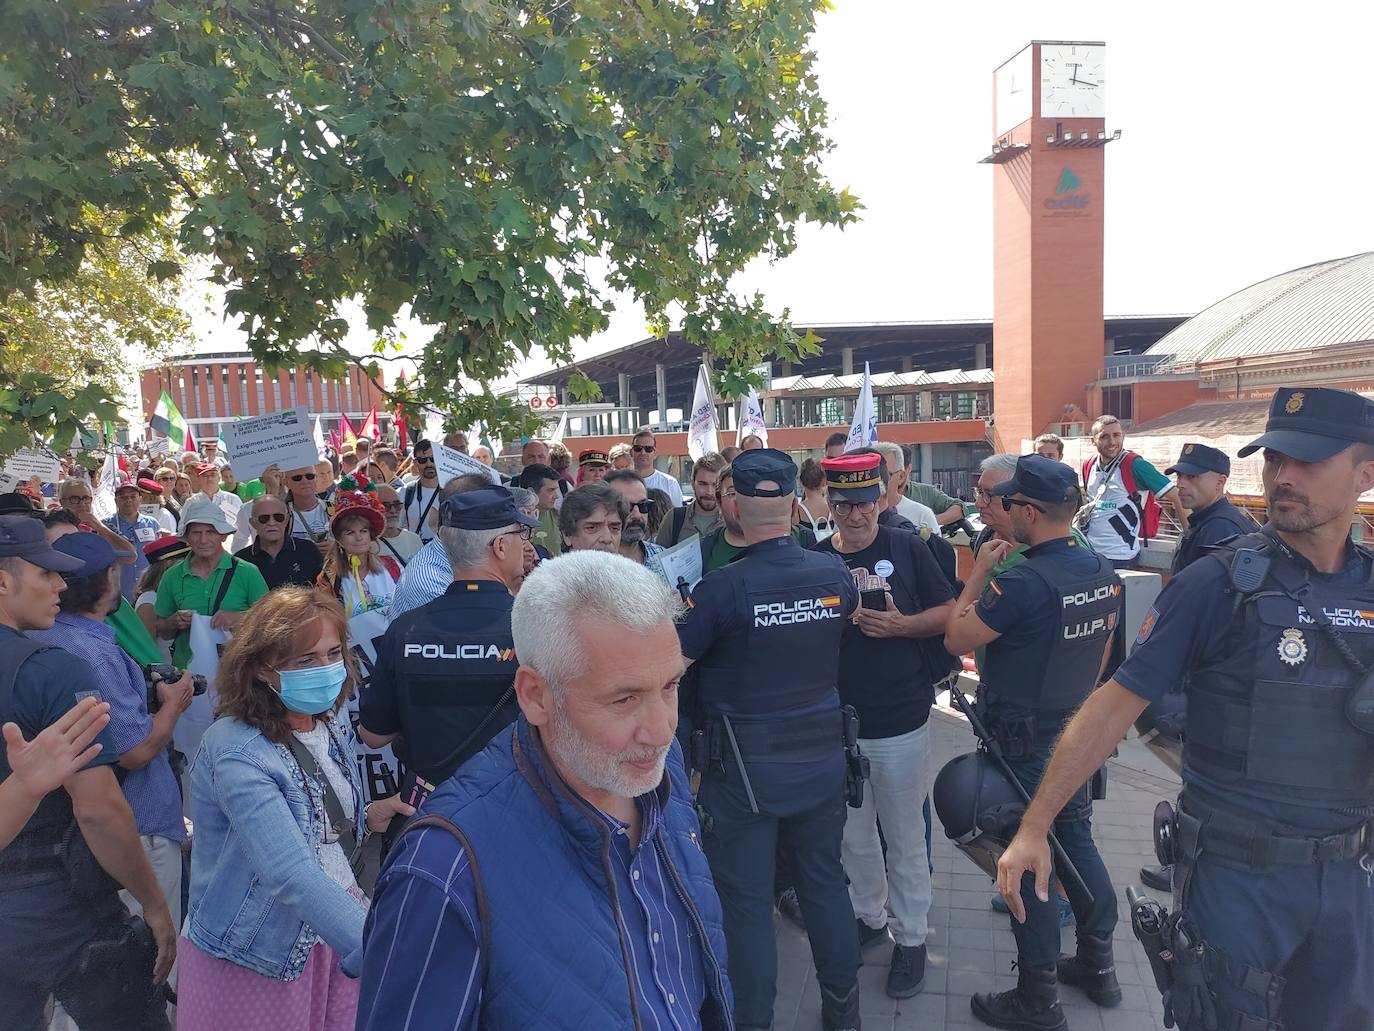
x=1068, y=193
x=783, y=613
x=460, y=651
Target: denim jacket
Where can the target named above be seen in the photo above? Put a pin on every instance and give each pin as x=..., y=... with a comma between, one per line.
x=259, y=896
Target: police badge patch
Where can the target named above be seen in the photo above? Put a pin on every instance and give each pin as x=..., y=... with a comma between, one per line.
x=1292, y=648
x=991, y=595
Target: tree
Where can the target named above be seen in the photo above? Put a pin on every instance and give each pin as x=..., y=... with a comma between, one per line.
x=479, y=163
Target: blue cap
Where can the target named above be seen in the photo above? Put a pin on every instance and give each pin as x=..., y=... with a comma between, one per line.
x=486, y=508
x=1197, y=459
x=23, y=536
x=757, y=465
x=1041, y=479
x=1313, y=423
x=90, y=549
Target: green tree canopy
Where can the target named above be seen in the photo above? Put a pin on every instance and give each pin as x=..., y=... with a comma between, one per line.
x=482, y=164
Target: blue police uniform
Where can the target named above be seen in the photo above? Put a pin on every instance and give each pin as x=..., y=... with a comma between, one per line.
x=765, y=635
x=51, y=912
x=444, y=678
x=1273, y=834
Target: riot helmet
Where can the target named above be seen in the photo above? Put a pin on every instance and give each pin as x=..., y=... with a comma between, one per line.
x=1160, y=728
x=979, y=807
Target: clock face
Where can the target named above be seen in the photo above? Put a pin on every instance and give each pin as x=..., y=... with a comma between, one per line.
x=1014, y=86
x=1073, y=80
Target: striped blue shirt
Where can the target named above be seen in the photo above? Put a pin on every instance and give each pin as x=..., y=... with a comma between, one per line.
x=427, y=576
x=152, y=791
x=423, y=959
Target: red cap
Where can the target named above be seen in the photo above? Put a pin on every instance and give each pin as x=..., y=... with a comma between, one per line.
x=206, y=467
x=149, y=484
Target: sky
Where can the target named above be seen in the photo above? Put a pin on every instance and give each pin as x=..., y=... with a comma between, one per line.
x=1246, y=151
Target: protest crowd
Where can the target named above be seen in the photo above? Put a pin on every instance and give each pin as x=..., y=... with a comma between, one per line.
x=361, y=744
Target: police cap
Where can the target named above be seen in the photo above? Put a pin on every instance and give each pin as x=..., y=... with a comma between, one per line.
x=22, y=536
x=854, y=477
x=486, y=508
x=1040, y=479
x=759, y=465
x=1313, y=423
x=1196, y=459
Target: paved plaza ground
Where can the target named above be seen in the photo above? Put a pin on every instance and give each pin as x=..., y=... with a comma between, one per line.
x=970, y=946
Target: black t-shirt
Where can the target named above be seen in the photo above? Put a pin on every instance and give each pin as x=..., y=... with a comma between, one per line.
x=886, y=678
x=297, y=564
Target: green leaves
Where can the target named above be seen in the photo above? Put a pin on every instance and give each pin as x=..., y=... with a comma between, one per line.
x=458, y=159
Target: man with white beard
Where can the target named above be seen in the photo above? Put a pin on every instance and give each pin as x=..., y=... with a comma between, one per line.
x=634, y=531
x=560, y=871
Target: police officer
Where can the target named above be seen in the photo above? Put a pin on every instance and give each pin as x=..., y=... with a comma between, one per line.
x=444, y=680
x=1202, y=472
x=59, y=905
x=764, y=633
x=1275, y=640
x=1046, y=624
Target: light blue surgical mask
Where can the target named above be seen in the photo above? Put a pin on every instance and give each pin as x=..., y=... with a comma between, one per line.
x=314, y=690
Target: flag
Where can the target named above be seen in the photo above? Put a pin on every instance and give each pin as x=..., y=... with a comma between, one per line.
x=701, y=427
x=864, y=429
x=334, y=440
x=190, y=445
x=398, y=418
x=369, y=426
x=347, y=436
x=559, y=431
x=104, y=501
x=751, y=418
x=167, y=420
x=319, y=437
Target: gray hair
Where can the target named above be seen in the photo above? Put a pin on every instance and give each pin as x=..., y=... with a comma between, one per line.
x=70, y=483
x=525, y=500
x=1002, y=465
x=580, y=585
x=586, y=499
x=893, y=454
x=468, y=548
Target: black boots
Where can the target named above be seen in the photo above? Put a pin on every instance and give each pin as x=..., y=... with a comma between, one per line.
x=1033, y=1005
x=840, y=1014
x=1092, y=970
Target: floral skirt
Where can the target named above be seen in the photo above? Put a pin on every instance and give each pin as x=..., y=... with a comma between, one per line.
x=216, y=995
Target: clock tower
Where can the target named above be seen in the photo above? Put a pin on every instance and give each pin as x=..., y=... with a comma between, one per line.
x=1049, y=131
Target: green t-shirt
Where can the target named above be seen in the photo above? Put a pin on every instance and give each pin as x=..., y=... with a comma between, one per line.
x=723, y=552
x=931, y=496
x=546, y=534
x=250, y=490
x=179, y=590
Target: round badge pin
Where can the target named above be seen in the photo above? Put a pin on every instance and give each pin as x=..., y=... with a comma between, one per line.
x=882, y=567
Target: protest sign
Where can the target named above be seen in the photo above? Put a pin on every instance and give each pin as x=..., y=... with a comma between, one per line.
x=26, y=463
x=682, y=562
x=451, y=462
x=283, y=439
x=379, y=771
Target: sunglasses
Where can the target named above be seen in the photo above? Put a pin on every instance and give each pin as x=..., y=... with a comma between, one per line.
x=424, y=459
x=642, y=506
x=297, y=477
x=270, y=517
x=1009, y=503
x=644, y=449
x=393, y=506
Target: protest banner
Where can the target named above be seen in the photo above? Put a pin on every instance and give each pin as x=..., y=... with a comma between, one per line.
x=283, y=439
x=27, y=463
x=379, y=771
x=451, y=462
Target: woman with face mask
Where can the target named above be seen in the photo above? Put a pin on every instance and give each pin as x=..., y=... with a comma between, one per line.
x=275, y=916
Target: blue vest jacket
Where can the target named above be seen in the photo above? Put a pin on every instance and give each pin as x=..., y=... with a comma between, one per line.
x=546, y=894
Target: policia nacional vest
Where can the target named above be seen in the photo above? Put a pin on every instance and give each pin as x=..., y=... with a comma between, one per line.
x=1269, y=715
x=1027, y=703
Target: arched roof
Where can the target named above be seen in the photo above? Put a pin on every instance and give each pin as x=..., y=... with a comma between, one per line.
x=1318, y=306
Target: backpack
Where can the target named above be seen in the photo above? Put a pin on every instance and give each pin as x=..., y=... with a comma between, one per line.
x=1149, y=509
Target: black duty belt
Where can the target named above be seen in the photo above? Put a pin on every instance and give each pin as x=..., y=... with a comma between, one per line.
x=1249, y=840
x=787, y=739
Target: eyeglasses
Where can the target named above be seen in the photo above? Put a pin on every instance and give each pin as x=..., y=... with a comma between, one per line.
x=642, y=506
x=1009, y=503
x=843, y=508
x=979, y=494
x=644, y=449
x=424, y=459
x=83, y=498
x=393, y=506
x=297, y=477
x=525, y=533
x=270, y=517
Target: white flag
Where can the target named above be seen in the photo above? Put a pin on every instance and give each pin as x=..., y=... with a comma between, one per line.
x=701, y=427
x=561, y=430
x=104, y=502
x=863, y=431
x=319, y=437
x=751, y=418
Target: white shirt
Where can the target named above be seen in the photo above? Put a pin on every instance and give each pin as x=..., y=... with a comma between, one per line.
x=227, y=501
x=309, y=524
x=921, y=515
x=1114, y=517
x=420, y=501
x=662, y=481
x=402, y=547
x=165, y=519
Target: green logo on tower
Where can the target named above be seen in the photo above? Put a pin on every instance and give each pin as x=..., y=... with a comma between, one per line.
x=1067, y=181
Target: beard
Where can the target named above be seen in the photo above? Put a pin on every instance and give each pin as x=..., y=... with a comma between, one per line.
x=599, y=769
x=633, y=533
x=1300, y=515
